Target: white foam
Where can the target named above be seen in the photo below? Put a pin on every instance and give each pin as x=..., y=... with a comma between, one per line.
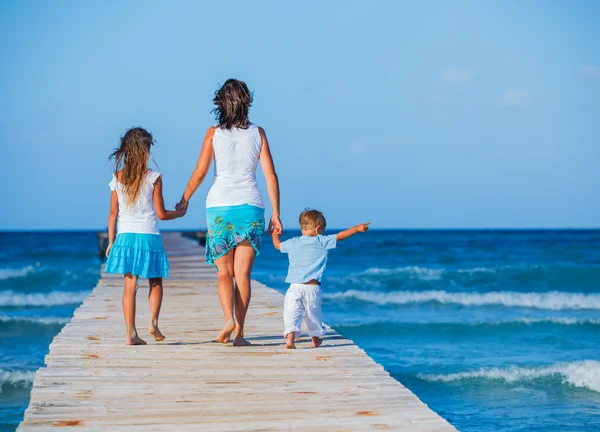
x=585, y=374
x=552, y=300
x=525, y=320
x=422, y=273
x=17, y=379
x=554, y=320
x=476, y=270
x=10, y=273
x=34, y=320
x=53, y=298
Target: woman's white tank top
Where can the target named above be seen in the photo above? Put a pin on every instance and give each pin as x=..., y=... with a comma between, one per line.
x=237, y=152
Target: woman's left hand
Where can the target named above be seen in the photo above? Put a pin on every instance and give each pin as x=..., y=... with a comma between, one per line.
x=275, y=225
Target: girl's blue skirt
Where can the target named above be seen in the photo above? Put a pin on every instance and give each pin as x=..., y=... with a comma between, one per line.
x=139, y=254
x=229, y=226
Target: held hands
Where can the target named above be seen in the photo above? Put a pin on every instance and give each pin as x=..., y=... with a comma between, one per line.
x=275, y=226
x=182, y=205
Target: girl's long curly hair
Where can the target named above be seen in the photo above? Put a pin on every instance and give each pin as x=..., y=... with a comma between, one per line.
x=232, y=100
x=131, y=158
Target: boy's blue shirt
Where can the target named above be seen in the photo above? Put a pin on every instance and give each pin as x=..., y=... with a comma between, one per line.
x=308, y=257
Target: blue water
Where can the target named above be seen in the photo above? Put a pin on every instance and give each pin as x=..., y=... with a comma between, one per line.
x=495, y=330
x=43, y=278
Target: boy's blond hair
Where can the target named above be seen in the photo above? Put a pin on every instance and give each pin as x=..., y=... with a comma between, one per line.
x=310, y=219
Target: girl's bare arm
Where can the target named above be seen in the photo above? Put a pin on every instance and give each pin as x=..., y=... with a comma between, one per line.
x=159, y=203
x=112, y=220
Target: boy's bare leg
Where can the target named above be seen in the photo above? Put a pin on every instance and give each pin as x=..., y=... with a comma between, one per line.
x=225, y=290
x=128, y=300
x=317, y=341
x=155, y=296
x=289, y=340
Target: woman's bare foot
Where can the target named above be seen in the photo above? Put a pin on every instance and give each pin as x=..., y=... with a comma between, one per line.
x=289, y=341
x=154, y=331
x=135, y=340
x=317, y=341
x=240, y=341
x=225, y=334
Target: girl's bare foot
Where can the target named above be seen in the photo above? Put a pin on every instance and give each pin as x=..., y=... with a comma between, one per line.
x=135, y=340
x=225, y=334
x=289, y=341
x=154, y=331
x=317, y=341
x=240, y=341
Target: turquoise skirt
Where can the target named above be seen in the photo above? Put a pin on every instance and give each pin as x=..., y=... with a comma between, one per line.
x=139, y=254
x=229, y=226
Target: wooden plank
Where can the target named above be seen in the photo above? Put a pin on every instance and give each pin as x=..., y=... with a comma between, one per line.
x=93, y=381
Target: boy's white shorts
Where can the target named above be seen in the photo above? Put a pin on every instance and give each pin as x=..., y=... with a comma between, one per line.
x=303, y=299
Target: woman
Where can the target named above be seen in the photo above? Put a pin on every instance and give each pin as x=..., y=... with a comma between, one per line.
x=234, y=205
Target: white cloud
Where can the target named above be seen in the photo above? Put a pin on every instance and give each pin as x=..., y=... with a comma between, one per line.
x=457, y=75
x=515, y=98
x=592, y=71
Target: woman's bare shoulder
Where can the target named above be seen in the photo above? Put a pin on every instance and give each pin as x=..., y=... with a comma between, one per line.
x=211, y=131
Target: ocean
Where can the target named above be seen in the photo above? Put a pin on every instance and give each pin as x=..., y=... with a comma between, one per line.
x=494, y=330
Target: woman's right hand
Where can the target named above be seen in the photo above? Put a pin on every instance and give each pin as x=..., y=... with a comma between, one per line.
x=275, y=225
x=182, y=205
x=108, y=248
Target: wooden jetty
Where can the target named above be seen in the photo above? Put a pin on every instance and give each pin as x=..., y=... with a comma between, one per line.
x=94, y=382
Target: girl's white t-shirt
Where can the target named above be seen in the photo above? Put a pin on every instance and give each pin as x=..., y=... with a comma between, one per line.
x=140, y=216
x=237, y=152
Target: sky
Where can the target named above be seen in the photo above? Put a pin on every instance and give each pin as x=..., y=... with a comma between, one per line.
x=429, y=114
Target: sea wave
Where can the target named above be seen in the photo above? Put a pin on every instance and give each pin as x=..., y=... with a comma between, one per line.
x=556, y=320
x=476, y=270
x=584, y=374
x=568, y=321
x=416, y=272
x=53, y=298
x=10, y=273
x=15, y=379
x=34, y=320
x=552, y=300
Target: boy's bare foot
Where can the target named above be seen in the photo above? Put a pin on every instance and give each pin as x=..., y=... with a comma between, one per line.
x=135, y=340
x=225, y=334
x=154, y=331
x=240, y=341
x=317, y=341
x=289, y=341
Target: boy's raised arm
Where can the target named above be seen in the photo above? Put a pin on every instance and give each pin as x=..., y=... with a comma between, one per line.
x=364, y=227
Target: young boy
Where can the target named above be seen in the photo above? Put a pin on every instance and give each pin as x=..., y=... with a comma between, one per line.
x=308, y=259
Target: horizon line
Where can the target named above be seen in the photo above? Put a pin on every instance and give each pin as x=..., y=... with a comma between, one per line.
x=65, y=230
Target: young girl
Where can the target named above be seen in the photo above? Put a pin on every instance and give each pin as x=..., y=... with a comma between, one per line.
x=137, y=251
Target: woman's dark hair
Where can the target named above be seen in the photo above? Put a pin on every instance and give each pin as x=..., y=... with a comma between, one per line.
x=131, y=158
x=232, y=100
